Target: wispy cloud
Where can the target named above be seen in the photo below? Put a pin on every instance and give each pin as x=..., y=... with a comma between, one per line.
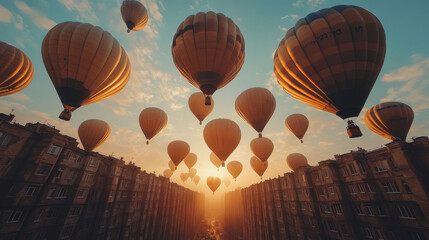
x=5, y=15
x=413, y=83
x=83, y=8
x=18, y=22
x=153, y=9
x=20, y=96
x=309, y=3
x=37, y=17
x=274, y=86
x=291, y=17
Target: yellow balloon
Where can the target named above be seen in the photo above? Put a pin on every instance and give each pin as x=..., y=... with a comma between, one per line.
x=296, y=160
x=213, y=183
x=196, y=180
x=262, y=148
x=222, y=136
x=167, y=173
x=184, y=176
x=134, y=15
x=215, y=160
x=16, y=69
x=85, y=64
x=391, y=120
x=258, y=166
x=297, y=124
x=192, y=172
x=152, y=120
x=190, y=160
x=197, y=106
x=256, y=106
x=171, y=165
x=234, y=168
x=177, y=150
x=93, y=133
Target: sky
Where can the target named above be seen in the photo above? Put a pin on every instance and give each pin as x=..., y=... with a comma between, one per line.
x=155, y=81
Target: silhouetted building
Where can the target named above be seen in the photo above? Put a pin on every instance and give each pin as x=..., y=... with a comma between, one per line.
x=378, y=194
x=51, y=189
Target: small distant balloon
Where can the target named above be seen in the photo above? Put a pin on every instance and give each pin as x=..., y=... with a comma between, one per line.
x=262, y=148
x=134, y=15
x=196, y=180
x=258, y=166
x=93, y=133
x=177, y=150
x=192, y=172
x=167, y=173
x=152, y=120
x=197, y=106
x=213, y=183
x=296, y=160
x=297, y=124
x=234, y=168
x=190, y=160
x=184, y=176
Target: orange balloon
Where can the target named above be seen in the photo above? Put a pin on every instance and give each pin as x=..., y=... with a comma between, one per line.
x=296, y=160
x=152, y=120
x=134, y=15
x=391, y=120
x=177, y=150
x=208, y=50
x=222, y=136
x=234, y=168
x=16, y=69
x=213, y=183
x=85, y=64
x=192, y=172
x=297, y=124
x=184, y=176
x=171, y=166
x=226, y=181
x=92, y=133
x=256, y=106
x=215, y=160
x=197, y=106
x=258, y=166
x=196, y=180
x=190, y=160
x=167, y=173
x=262, y=148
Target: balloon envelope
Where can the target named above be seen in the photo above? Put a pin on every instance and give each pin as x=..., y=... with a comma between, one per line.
x=226, y=181
x=167, y=173
x=184, y=176
x=330, y=59
x=177, y=150
x=208, y=50
x=296, y=160
x=256, y=106
x=192, y=172
x=262, y=148
x=196, y=180
x=16, y=69
x=92, y=133
x=85, y=64
x=171, y=165
x=134, y=15
x=391, y=120
x=190, y=160
x=234, y=168
x=152, y=120
x=258, y=166
x=215, y=160
x=197, y=106
x=297, y=124
x=222, y=136
x=213, y=183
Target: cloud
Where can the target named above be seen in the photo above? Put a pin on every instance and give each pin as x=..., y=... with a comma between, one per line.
x=5, y=15
x=18, y=22
x=154, y=10
x=20, y=96
x=413, y=83
x=37, y=17
x=309, y=3
x=84, y=9
x=120, y=111
x=291, y=16
x=274, y=86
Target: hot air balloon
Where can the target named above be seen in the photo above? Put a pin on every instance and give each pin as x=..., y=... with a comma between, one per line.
x=297, y=124
x=222, y=136
x=177, y=150
x=262, y=148
x=213, y=183
x=134, y=15
x=197, y=106
x=256, y=106
x=234, y=168
x=196, y=180
x=167, y=173
x=258, y=166
x=85, y=64
x=226, y=181
x=152, y=120
x=215, y=160
x=296, y=160
x=190, y=160
x=391, y=120
x=208, y=50
x=16, y=69
x=192, y=172
x=92, y=133
x=331, y=59
x=171, y=165
x=184, y=176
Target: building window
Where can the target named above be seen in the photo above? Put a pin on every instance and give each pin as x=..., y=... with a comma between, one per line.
x=93, y=162
x=80, y=193
x=352, y=189
x=43, y=169
x=87, y=177
x=381, y=166
x=331, y=190
x=52, y=213
x=31, y=190
x=67, y=232
x=325, y=173
x=316, y=176
x=309, y=207
x=344, y=230
x=344, y=172
x=358, y=210
x=78, y=159
x=51, y=192
x=59, y=173
x=54, y=150
x=352, y=169
x=405, y=211
x=361, y=188
x=15, y=216
x=38, y=214
x=367, y=232
x=331, y=226
x=337, y=208
x=379, y=210
x=370, y=188
x=62, y=193
x=391, y=187
x=362, y=168
x=74, y=212
x=406, y=187
x=326, y=208
x=369, y=210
